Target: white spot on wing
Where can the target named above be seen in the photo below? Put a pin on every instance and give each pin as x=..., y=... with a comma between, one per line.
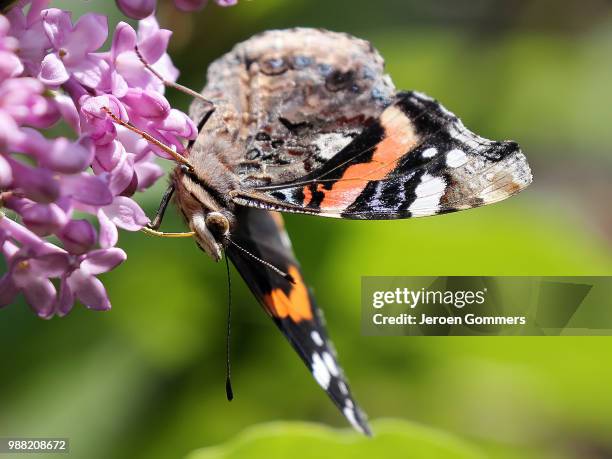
x=330, y=364
x=314, y=335
x=423, y=96
x=455, y=158
x=343, y=387
x=428, y=192
x=320, y=371
x=350, y=415
x=430, y=152
x=331, y=143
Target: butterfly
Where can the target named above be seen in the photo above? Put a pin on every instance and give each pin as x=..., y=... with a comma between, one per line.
x=306, y=121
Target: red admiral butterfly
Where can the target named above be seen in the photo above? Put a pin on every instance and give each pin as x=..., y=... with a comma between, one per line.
x=306, y=121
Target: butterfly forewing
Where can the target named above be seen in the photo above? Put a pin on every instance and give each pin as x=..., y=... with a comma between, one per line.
x=417, y=159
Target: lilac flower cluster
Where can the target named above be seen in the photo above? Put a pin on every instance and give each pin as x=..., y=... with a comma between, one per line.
x=51, y=70
x=139, y=9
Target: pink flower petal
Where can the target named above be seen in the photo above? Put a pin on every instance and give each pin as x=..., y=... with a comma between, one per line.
x=126, y=214
x=132, y=70
x=93, y=107
x=132, y=186
x=36, y=183
x=147, y=27
x=33, y=143
x=33, y=46
x=124, y=39
x=6, y=174
x=154, y=47
x=66, y=299
x=52, y=71
x=22, y=98
x=88, y=189
x=10, y=65
x=65, y=204
x=49, y=265
x=17, y=21
x=148, y=173
x=108, y=156
x=78, y=236
x=96, y=120
x=8, y=290
x=133, y=143
x=5, y=25
x=165, y=137
x=68, y=157
x=41, y=296
x=89, y=32
x=121, y=175
x=68, y=111
x=180, y=124
x=108, y=231
x=20, y=233
x=43, y=219
x=92, y=71
x=148, y=104
x=166, y=69
x=57, y=24
x=119, y=86
x=9, y=131
x=101, y=261
x=35, y=9
x=89, y=290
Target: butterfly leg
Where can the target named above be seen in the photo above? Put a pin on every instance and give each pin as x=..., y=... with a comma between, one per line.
x=151, y=228
x=163, y=205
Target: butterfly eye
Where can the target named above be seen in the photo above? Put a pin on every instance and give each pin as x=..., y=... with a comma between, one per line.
x=217, y=223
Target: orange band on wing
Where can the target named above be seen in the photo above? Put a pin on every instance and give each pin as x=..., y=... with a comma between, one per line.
x=296, y=305
x=307, y=195
x=399, y=139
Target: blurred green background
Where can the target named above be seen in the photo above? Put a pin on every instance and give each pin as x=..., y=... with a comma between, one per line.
x=146, y=380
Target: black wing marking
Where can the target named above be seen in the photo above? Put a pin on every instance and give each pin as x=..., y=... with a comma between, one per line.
x=291, y=305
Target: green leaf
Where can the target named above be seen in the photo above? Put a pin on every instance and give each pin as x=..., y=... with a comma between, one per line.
x=300, y=440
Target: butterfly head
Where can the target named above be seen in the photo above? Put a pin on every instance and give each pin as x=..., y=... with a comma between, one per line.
x=202, y=196
x=211, y=232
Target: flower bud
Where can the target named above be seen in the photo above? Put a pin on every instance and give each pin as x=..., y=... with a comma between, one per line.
x=43, y=219
x=78, y=236
x=137, y=9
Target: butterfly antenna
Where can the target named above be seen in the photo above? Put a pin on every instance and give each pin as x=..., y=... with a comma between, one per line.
x=171, y=84
x=280, y=272
x=228, y=373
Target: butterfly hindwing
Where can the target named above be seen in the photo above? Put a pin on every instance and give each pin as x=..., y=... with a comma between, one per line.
x=417, y=159
x=290, y=304
x=288, y=100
